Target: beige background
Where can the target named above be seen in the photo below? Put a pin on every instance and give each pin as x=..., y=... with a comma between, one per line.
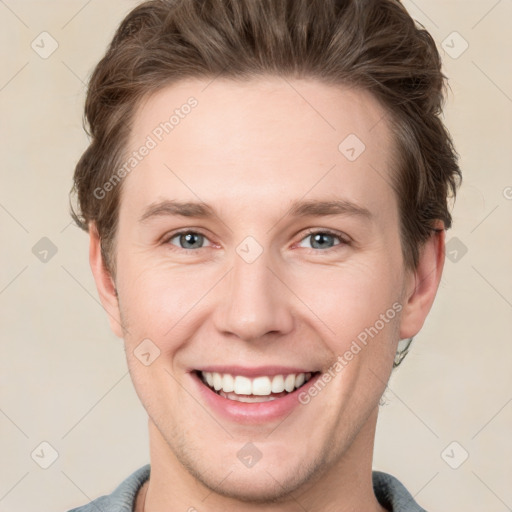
x=63, y=376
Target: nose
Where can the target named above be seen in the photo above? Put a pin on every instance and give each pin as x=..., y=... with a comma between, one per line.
x=253, y=301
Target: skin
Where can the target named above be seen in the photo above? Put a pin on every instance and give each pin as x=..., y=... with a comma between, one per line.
x=249, y=149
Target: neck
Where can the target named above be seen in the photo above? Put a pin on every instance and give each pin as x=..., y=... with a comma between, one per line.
x=343, y=484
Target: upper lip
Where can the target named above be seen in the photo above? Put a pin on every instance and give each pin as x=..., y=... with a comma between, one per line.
x=255, y=371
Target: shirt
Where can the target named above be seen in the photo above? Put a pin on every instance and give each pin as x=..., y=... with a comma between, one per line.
x=390, y=493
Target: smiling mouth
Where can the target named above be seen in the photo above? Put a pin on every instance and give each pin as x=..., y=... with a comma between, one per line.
x=254, y=390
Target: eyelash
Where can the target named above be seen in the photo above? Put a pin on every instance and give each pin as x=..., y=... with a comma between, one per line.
x=340, y=236
x=343, y=239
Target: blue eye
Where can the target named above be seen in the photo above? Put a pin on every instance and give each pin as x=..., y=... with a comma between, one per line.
x=324, y=239
x=321, y=240
x=188, y=240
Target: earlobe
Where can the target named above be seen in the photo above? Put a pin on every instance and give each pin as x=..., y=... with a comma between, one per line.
x=104, y=282
x=422, y=283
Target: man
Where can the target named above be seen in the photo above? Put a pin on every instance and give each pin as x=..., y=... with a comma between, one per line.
x=266, y=196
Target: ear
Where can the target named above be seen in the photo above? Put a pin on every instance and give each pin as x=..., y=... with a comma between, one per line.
x=104, y=282
x=422, y=283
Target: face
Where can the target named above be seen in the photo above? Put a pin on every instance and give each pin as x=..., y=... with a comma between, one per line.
x=254, y=244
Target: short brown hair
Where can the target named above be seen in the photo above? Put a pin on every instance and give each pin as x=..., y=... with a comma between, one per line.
x=370, y=44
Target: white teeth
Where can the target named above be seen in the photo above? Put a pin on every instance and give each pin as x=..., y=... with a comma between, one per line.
x=228, y=383
x=247, y=398
x=289, y=383
x=278, y=384
x=299, y=380
x=243, y=385
x=217, y=381
x=263, y=386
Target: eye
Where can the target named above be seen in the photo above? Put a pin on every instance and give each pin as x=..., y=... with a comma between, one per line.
x=324, y=239
x=319, y=239
x=187, y=240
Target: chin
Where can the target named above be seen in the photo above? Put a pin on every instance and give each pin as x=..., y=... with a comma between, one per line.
x=262, y=486
x=271, y=479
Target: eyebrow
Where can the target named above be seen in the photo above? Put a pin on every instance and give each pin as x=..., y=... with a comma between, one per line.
x=200, y=210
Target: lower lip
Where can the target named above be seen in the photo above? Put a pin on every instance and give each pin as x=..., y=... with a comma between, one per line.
x=251, y=413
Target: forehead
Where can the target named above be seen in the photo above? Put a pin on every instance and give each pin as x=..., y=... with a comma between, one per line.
x=268, y=140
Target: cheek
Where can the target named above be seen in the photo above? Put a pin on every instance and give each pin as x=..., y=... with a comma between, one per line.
x=361, y=307
x=349, y=297
x=158, y=300
x=169, y=302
